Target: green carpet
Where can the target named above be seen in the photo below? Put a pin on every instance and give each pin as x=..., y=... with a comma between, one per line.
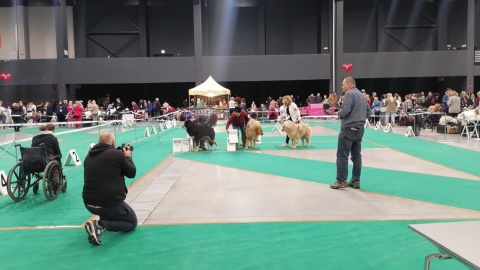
x=275, y=143
x=315, y=245
x=323, y=245
x=435, y=189
x=444, y=154
x=68, y=208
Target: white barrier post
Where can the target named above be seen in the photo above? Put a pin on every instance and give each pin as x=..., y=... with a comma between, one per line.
x=410, y=132
x=378, y=126
x=154, y=130
x=388, y=128
x=147, y=132
x=90, y=147
x=3, y=179
x=367, y=124
x=72, y=155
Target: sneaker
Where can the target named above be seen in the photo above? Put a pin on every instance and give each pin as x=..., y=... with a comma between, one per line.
x=338, y=185
x=94, y=231
x=354, y=184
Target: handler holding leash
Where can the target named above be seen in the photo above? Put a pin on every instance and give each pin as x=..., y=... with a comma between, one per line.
x=289, y=112
x=353, y=114
x=239, y=119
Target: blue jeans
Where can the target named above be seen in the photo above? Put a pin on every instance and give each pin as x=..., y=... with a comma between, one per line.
x=242, y=129
x=120, y=218
x=349, y=143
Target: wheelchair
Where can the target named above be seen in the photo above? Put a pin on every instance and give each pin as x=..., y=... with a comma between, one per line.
x=34, y=166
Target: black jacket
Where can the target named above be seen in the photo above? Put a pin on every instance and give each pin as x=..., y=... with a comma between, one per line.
x=50, y=141
x=61, y=109
x=104, y=171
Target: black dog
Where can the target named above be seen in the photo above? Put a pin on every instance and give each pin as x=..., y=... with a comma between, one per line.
x=200, y=134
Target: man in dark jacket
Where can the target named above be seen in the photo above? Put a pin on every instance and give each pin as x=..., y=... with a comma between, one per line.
x=61, y=111
x=238, y=120
x=104, y=189
x=17, y=115
x=355, y=111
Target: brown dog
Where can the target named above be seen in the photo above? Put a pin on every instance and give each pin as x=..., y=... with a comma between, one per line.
x=297, y=131
x=434, y=108
x=254, y=129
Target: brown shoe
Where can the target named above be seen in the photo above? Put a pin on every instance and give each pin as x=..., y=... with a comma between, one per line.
x=354, y=184
x=338, y=185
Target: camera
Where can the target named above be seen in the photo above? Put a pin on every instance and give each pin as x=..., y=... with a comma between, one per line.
x=121, y=147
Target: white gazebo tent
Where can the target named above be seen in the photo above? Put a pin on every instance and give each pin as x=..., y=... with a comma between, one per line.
x=209, y=88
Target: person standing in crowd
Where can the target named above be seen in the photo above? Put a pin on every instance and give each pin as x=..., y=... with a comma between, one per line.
x=3, y=114
x=135, y=107
x=407, y=106
x=391, y=108
x=49, y=110
x=150, y=108
x=453, y=104
x=17, y=115
x=445, y=100
x=430, y=100
x=119, y=106
x=157, y=107
x=69, y=112
x=253, y=108
x=289, y=112
x=238, y=120
x=471, y=101
x=376, y=105
x=61, y=112
x=77, y=114
x=231, y=105
x=94, y=108
x=463, y=100
x=104, y=189
x=353, y=114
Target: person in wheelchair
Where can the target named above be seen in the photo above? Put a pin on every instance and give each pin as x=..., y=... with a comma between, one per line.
x=47, y=138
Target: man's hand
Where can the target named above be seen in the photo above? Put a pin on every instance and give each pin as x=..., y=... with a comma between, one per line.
x=127, y=151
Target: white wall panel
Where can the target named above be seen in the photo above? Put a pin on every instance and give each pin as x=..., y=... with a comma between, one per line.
x=41, y=23
x=8, y=32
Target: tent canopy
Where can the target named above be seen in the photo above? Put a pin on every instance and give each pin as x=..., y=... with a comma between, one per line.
x=209, y=88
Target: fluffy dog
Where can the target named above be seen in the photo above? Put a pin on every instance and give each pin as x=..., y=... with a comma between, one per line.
x=434, y=108
x=297, y=131
x=254, y=129
x=200, y=134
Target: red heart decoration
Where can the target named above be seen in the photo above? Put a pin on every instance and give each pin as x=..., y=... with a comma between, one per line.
x=5, y=77
x=347, y=67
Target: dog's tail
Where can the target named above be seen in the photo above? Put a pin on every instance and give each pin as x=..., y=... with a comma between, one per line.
x=212, y=121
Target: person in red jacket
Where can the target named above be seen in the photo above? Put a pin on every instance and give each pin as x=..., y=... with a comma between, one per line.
x=77, y=114
x=238, y=120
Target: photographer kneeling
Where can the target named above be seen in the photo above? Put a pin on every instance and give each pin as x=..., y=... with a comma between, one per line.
x=104, y=189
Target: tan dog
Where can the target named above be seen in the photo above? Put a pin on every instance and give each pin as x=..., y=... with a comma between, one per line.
x=434, y=108
x=297, y=131
x=254, y=129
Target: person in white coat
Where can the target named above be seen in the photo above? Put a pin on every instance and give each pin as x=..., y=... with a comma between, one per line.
x=289, y=112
